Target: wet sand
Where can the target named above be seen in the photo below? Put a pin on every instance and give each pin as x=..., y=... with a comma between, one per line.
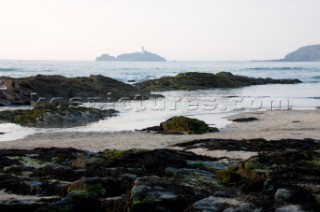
x=271, y=125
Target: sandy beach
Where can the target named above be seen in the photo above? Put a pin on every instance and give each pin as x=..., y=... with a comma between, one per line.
x=271, y=125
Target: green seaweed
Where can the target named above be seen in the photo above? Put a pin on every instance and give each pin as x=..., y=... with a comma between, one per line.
x=186, y=125
x=112, y=154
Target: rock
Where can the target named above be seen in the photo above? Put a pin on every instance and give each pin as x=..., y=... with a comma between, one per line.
x=244, y=207
x=186, y=125
x=75, y=201
x=307, y=53
x=52, y=116
x=22, y=91
x=93, y=186
x=250, y=119
x=214, y=204
x=197, y=81
x=282, y=195
x=192, y=175
x=215, y=165
x=13, y=202
x=116, y=204
x=251, y=174
x=99, y=186
x=182, y=125
x=290, y=208
x=162, y=179
x=156, y=194
x=83, y=163
x=223, y=204
x=152, y=129
x=251, y=145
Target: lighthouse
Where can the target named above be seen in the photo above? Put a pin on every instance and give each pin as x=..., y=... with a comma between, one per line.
x=142, y=50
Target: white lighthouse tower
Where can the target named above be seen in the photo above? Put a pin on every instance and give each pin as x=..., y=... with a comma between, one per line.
x=142, y=50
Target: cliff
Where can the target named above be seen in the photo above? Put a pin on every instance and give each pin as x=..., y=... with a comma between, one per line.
x=307, y=53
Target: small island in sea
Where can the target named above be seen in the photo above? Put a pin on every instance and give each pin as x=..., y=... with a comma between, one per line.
x=136, y=56
x=304, y=54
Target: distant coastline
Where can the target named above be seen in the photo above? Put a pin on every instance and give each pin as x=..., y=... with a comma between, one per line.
x=304, y=54
x=136, y=56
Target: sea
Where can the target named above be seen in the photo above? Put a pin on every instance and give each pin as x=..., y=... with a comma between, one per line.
x=208, y=105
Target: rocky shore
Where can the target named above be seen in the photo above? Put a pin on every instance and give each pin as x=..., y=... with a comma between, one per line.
x=176, y=170
x=55, y=116
x=282, y=177
x=23, y=91
x=198, y=81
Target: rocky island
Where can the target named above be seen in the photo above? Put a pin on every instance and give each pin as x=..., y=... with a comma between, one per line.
x=307, y=54
x=143, y=56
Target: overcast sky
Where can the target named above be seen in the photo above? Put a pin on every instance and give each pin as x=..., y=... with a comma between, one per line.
x=175, y=29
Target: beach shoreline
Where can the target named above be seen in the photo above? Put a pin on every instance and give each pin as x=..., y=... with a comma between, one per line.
x=271, y=125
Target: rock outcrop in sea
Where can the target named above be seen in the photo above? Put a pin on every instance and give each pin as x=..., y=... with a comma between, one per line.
x=55, y=116
x=21, y=91
x=182, y=125
x=197, y=81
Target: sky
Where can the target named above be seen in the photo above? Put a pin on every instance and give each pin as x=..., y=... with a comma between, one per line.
x=190, y=30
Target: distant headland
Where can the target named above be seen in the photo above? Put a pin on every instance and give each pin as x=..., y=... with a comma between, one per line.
x=304, y=54
x=136, y=56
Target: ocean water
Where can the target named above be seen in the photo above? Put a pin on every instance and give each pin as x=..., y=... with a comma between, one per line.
x=139, y=71
x=208, y=105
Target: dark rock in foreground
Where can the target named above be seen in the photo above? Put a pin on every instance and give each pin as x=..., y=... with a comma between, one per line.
x=161, y=180
x=252, y=145
x=55, y=116
x=196, y=81
x=182, y=125
x=19, y=91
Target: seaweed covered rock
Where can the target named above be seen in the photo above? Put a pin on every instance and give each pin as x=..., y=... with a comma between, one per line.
x=182, y=125
x=197, y=81
x=132, y=180
x=222, y=204
x=186, y=125
x=51, y=115
x=158, y=180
